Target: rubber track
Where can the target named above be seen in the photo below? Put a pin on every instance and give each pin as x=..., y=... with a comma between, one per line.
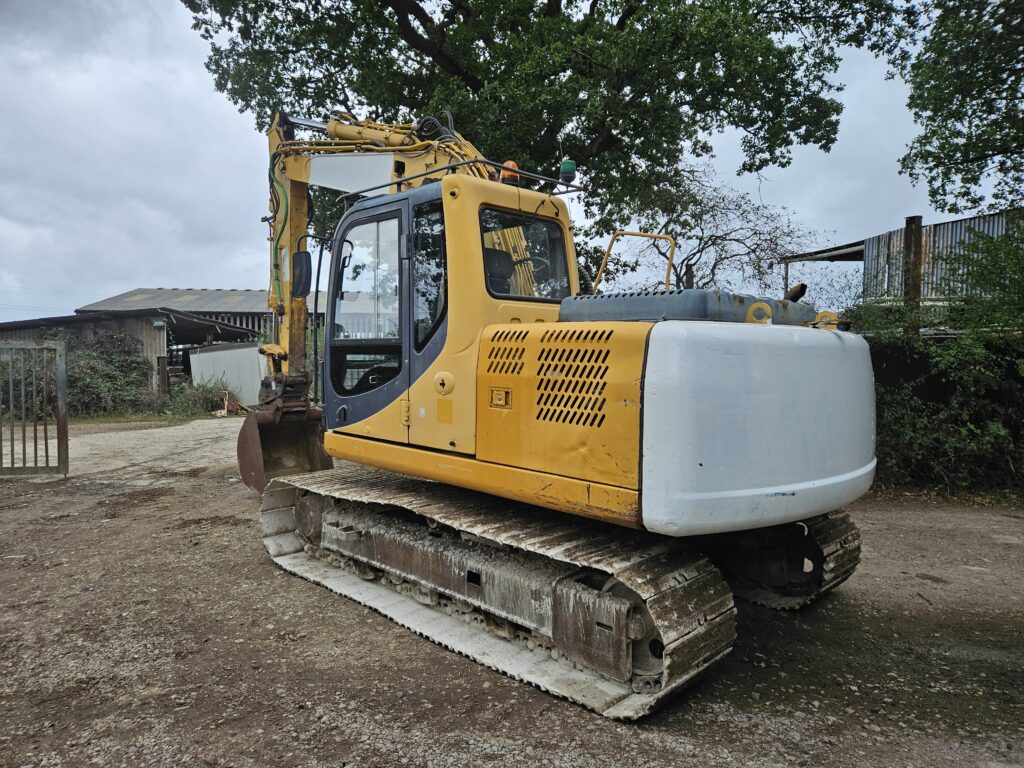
x=837, y=538
x=685, y=594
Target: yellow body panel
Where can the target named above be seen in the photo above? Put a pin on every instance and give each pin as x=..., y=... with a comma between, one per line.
x=563, y=398
x=387, y=424
x=443, y=427
x=577, y=497
x=445, y=417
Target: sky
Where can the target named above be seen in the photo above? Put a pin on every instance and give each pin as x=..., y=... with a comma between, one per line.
x=121, y=166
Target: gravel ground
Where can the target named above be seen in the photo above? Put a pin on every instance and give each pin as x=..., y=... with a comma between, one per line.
x=141, y=624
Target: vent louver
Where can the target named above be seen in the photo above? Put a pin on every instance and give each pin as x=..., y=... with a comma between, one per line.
x=507, y=352
x=571, y=377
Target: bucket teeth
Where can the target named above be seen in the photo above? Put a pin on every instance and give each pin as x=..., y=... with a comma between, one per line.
x=612, y=619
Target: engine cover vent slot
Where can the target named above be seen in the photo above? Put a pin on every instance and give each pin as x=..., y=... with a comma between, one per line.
x=571, y=377
x=507, y=354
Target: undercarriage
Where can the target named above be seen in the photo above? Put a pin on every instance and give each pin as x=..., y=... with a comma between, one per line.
x=613, y=619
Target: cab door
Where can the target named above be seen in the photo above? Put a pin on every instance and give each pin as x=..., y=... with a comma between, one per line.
x=367, y=370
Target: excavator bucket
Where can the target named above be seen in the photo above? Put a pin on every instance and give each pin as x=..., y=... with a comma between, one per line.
x=275, y=442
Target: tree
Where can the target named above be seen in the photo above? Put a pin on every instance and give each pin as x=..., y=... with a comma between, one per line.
x=624, y=87
x=724, y=238
x=967, y=94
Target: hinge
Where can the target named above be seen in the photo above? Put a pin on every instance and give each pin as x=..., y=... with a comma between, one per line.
x=405, y=412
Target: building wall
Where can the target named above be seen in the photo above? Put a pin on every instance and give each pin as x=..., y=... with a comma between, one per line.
x=239, y=366
x=883, y=255
x=151, y=332
x=258, y=322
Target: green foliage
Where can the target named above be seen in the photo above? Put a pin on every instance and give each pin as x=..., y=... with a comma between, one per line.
x=192, y=401
x=108, y=375
x=951, y=407
x=987, y=277
x=967, y=94
x=627, y=89
x=950, y=412
x=886, y=321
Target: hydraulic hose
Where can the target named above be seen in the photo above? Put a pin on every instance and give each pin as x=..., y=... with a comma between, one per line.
x=277, y=240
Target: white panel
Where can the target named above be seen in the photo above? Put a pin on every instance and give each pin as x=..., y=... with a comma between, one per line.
x=240, y=365
x=352, y=172
x=748, y=425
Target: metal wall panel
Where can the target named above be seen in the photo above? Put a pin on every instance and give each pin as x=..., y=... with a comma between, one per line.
x=239, y=365
x=883, y=255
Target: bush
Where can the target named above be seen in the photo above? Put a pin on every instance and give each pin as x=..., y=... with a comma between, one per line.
x=108, y=375
x=950, y=411
x=190, y=401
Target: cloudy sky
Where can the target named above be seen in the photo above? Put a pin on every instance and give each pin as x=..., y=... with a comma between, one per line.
x=121, y=167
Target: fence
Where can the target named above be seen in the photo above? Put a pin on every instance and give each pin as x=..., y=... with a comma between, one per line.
x=33, y=408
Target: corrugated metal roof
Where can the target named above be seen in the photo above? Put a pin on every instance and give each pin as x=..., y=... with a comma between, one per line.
x=186, y=328
x=221, y=300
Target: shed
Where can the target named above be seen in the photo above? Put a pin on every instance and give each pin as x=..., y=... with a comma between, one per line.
x=155, y=329
x=884, y=255
x=239, y=366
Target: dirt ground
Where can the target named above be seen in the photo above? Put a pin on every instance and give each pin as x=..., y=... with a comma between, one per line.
x=141, y=623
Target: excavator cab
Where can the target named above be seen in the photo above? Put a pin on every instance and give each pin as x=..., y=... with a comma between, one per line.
x=415, y=277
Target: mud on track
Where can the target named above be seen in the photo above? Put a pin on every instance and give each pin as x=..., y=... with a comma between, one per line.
x=141, y=623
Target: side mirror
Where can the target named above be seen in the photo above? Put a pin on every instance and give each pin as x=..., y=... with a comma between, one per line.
x=302, y=274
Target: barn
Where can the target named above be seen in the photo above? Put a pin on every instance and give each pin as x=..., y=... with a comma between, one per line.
x=158, y=331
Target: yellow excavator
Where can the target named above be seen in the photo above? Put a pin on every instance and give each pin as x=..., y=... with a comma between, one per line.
x=567, y=486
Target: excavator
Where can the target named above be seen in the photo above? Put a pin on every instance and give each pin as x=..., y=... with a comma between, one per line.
x=566, y=485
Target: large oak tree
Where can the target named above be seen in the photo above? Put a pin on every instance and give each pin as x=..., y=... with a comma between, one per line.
x=627, y=88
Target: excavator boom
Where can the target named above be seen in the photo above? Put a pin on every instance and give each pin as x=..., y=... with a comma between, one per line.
x=284, y=435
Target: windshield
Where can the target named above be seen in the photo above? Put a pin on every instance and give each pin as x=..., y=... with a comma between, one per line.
x=366, y=306
x=524, y=255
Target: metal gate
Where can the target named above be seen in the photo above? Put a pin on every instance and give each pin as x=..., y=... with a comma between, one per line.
x=33, y=408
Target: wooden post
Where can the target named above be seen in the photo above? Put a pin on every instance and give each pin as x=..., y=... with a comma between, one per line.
x=785, y=278
x=912, y=260
x=163, y=378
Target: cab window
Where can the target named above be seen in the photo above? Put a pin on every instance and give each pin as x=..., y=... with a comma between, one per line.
x=366, y=306
x=429, y=268
x=524, y=256
x=366, y=347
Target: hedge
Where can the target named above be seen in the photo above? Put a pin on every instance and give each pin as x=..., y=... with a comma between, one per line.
x=950, y=412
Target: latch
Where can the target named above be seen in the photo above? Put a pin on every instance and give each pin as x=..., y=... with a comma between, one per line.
x=501, y=397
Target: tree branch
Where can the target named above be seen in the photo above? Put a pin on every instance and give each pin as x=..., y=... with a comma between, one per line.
x=627, y=13
x=405, y=10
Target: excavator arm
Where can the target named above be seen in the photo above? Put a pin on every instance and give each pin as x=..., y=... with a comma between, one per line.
x=355, y=158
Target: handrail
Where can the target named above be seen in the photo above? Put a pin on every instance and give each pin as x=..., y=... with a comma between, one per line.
x=650, y=235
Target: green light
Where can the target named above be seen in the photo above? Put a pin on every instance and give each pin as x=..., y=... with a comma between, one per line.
x=567, y=171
